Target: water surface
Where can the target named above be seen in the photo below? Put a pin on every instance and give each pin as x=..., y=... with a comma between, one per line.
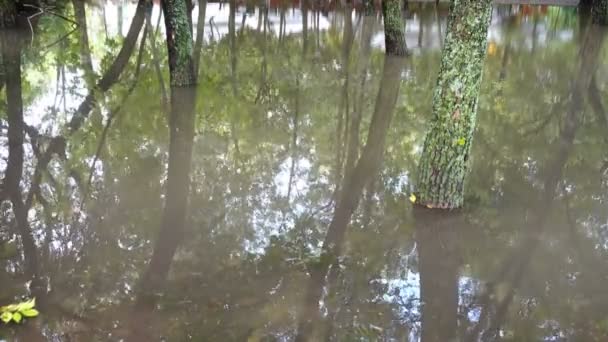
x=279, y=90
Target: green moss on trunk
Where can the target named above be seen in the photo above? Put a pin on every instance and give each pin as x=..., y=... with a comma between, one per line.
x=179, y=43
x=599, y=12
x=444, y=162
x=394, y=37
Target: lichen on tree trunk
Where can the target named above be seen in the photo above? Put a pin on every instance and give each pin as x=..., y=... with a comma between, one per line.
x=394, y=36
x=179, y=43
x=445, y=156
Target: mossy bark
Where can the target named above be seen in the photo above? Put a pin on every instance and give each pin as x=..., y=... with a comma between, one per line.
x=179, y=43
x=599, y=12
x=445, y=156
x=394, y=36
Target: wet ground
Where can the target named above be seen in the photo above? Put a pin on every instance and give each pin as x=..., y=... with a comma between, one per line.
x=283, y=108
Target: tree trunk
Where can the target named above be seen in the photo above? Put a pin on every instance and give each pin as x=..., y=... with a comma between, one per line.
x=179, y=43
x=445, y=156
x=8, y=14
x=599, y=12
x=394, y=36
x=200, y=34
x=85, y=52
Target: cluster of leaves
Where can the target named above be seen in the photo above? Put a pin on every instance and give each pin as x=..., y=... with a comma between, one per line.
x=16, y=312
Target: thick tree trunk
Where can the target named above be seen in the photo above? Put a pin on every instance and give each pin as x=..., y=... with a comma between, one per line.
x=8, y=14
x=394, y=36
x=179, y=43
x=445, y=156
x=599, y=12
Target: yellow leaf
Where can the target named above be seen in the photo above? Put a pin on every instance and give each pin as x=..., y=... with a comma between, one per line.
x=413, y=198
x=462, y=141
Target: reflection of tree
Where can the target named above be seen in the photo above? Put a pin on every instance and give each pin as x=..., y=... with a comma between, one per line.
x=365, y=169
x=437, y=236
x=85, y=50
x=181, y=134
x=11, y=65
x=515, y=267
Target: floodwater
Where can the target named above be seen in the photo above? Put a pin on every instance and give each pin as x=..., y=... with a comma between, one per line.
x=282, y=112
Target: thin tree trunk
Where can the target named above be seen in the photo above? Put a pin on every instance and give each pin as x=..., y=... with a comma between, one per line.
x=233, y=52
x=362, y=68
x=85, y=51
x=156, y=58
x=343, y=108
x=119, y=14
x=200, y=34
x=445, y=157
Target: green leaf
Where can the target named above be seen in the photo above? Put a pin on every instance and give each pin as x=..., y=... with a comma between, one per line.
x=17, y=317
x=27, y=305
x=6, y=316
x=462, y=141
x=30, y=313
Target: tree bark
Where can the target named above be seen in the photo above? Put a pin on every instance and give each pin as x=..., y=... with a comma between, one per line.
x=599, y=12
x=394, y=36
x=445, y=156
x=200, y=34
x=179, y=43
x=8, y=14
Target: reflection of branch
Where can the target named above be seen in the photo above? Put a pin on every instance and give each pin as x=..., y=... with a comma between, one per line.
x=47, y=10
x=64, y=37
x=42, y=10
x=541, y=125
x=113, y=114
